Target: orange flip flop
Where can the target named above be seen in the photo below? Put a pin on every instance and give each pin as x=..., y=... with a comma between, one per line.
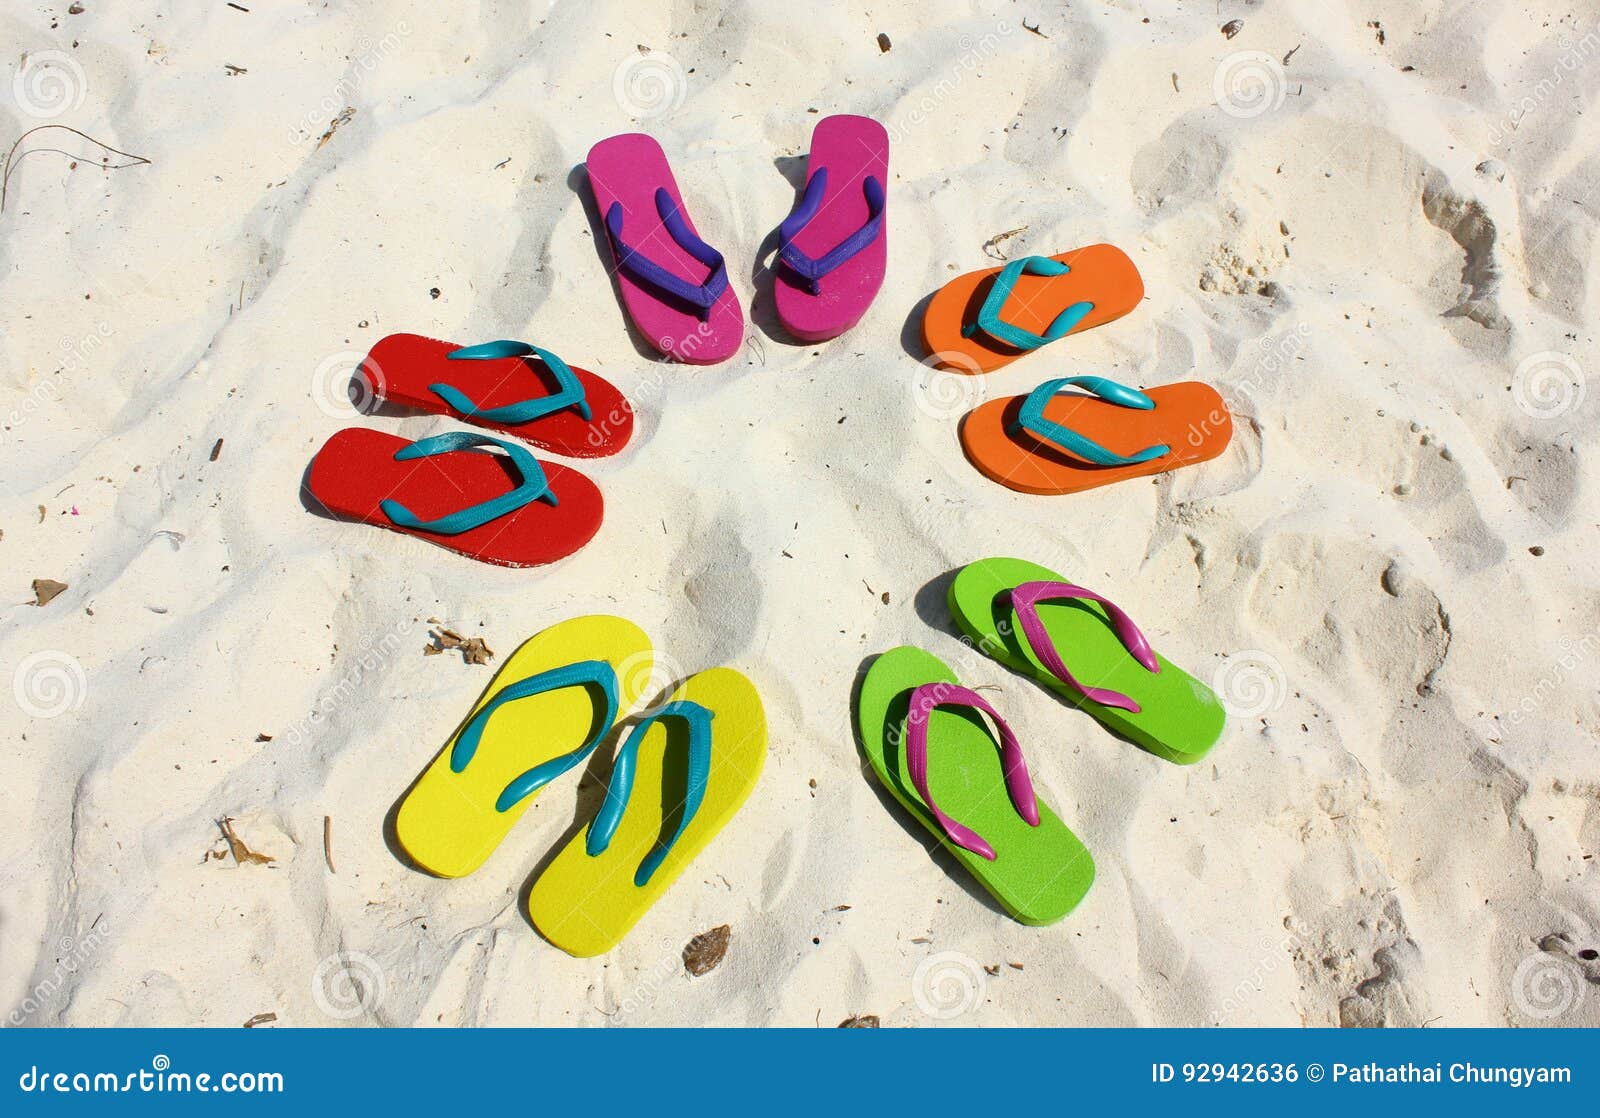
x=982, y=320
x=1048, y=443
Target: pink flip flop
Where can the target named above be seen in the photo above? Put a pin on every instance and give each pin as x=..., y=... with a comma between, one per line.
x=674, y=285
x=833, y=246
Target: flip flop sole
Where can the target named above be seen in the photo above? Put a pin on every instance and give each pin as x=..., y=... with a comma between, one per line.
x=628, y=169
x=401, y=367
x=849, y=148
x=447, y=822
x=355, y=471
x=1039, y=874
x=1190, y=418
x=1180, y=718
x=585, y=904
x=1101, y=274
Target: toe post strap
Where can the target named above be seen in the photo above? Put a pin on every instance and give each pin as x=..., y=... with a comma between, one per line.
x=1025, y=600
x=924, y=701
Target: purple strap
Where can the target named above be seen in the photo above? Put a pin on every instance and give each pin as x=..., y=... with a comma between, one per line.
x=701, y=296
x=1025, y=601
x=809, y=270
x=923, y=701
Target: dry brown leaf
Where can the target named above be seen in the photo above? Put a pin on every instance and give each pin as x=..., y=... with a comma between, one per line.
x=476, y=652
x=473, y=649
x=44, y=589
x=260, y=1019
x=706, y=950
x=860, y=1021
x=242, y=854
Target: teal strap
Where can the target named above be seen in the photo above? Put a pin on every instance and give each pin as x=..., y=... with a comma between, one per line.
x=533, y=486
x=584, y=673
x=1030, y=417
x=569, y=394
x=621, y=786
x=990, y=322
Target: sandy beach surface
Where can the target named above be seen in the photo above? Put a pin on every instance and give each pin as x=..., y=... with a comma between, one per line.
x=1371, y=225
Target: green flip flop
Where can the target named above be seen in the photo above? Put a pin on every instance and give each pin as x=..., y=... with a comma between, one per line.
x=921, y=734
x=1035, y=622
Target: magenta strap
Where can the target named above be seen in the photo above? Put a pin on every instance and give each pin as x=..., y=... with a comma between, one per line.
x=1025, y=601
x=923, y=701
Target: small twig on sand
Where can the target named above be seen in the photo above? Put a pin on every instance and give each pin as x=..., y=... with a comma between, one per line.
x=13, y=160
x=991, y=247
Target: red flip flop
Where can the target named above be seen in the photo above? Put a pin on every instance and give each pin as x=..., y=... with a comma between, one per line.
x=512, y=387
x=511, y=510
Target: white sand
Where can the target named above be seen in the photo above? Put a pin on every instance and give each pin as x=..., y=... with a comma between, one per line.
x=1385, y=256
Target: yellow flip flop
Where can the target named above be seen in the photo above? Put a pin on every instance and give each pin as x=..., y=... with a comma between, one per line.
x=543, y=713
x=686, y=768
